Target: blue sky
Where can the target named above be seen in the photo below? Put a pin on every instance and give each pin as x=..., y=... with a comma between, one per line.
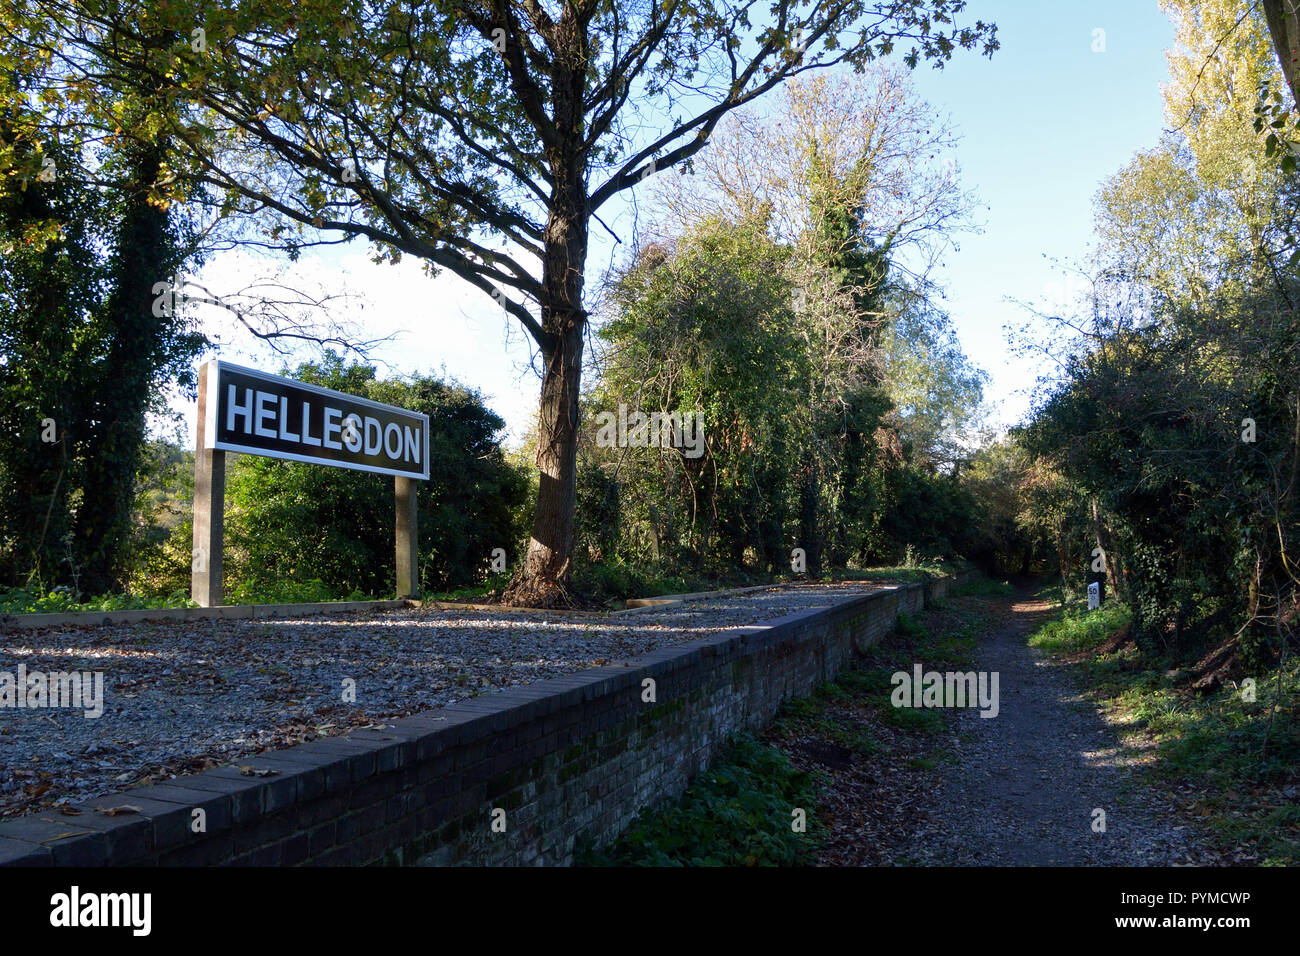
x=1042, y=124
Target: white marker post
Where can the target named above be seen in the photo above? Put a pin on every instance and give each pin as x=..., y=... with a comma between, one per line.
x=1094, y=596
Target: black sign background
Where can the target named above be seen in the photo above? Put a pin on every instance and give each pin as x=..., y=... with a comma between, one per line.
x=285, y=417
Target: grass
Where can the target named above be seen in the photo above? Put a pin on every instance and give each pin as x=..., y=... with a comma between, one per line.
x=813, y=717
x=288, y=591
x=33, y=601
x=614, y=582
x=1216, y=752
x=61, y=600
x=981, y=586
x=611, y=583
x=1076, y=630
x=869, y=685
x=741, y=812
x=907, y=573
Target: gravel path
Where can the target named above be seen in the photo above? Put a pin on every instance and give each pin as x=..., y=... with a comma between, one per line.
x=184, y=696
x=1024, y=788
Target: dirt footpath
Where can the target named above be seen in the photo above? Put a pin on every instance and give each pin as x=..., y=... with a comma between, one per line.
x=1025, y=785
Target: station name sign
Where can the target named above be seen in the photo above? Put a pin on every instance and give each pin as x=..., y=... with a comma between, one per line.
x=259, y=414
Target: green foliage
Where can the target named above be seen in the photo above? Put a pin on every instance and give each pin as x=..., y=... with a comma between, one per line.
x=614, y=580
x=910, y=628
x=1197, y=518
x=705, y=329
x=164, y=493
x=916, y=571
x=930, y=512
x=1172, y=436
x=982, y=586
x=811, y=716
x=715, y=323
x=514, y=153
x=48, y=292
x=1017, y=519
x=26, y=601
x=302, y=529
x=297, y=532
x=932, y=383
x=915, y=720
x=1081, y=630
x=1233, y=760
x=265, y=590
x=738, y=813
x=84, y=355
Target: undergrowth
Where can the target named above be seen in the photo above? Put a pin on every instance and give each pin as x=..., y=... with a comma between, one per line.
x=741, y=812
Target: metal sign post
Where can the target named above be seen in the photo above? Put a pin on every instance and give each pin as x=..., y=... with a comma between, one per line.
x=247, y=411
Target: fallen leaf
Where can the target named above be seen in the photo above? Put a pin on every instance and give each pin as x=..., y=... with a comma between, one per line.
x=119, y=811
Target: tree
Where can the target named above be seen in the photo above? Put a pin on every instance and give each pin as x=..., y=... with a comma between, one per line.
x=846, y=171
x=142, y=348
x=1184, y=436
x=48, y=285
x=1160, y=227
x=840, y=160
x=47, y=280
x=1170, y=438
x=1283, y=21
x=1001, y=478
x=85, y=348
x=1220, y=61
x=1207, y=205
x=483, y=136
x=937, y=390
x=706, y=327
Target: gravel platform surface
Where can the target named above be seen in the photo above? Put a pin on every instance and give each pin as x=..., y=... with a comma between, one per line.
x=185, y=696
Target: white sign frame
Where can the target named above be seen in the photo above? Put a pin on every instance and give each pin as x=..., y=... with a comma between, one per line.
x=213, y=401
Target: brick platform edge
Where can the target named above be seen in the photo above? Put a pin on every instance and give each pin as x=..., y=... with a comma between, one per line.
x=567, y=758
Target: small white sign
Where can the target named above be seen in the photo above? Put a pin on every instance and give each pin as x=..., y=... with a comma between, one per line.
x=1094, y=596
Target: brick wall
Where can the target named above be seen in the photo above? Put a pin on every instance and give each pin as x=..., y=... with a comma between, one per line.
x=570, y=757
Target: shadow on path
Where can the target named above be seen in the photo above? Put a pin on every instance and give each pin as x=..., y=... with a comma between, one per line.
x=1025, y=784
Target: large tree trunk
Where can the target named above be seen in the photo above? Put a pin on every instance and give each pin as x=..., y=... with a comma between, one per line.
x=103, y=524
x=544, y=581
x=1284, y=26
x=548, y=565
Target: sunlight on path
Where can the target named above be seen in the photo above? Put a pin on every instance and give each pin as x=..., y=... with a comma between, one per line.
x=1025, y=786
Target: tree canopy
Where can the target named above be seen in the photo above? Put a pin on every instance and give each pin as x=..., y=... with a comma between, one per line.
x=481, y=137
